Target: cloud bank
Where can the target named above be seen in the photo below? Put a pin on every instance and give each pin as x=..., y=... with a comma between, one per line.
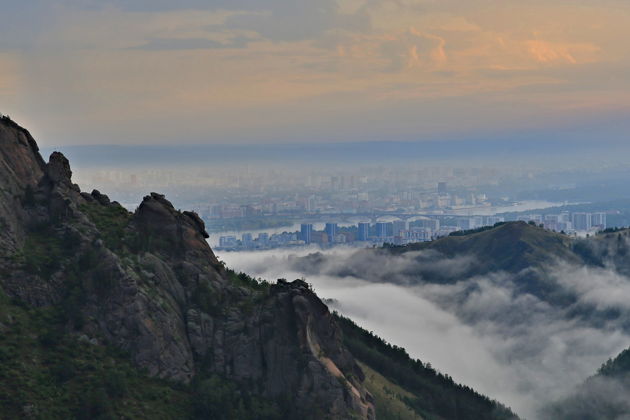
x=485, y=331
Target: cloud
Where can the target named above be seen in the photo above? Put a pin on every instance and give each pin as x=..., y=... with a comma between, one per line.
x=193, y=44
x=600, y=397
x=602, y=288
x=279, y=70
x=485, y=331
x=547, y=52
x=300, y=20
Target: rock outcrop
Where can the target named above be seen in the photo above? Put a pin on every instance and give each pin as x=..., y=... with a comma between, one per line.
x=149, y=284
x=21, y=166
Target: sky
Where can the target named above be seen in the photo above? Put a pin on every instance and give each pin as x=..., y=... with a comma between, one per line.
x=294, y=71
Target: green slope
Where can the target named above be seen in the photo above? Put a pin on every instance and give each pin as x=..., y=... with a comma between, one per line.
x=511, y=246
x=619, y=366
x=414, y=385
x=390, y=399
x=48, y=373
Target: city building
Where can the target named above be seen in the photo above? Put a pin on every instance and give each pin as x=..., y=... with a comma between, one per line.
x=581, y=221
x=227, y=241
x=564, y=217
x=331, y=231
x=363, y=233
x=420, y=234
x=442, y=188
x=463, y=224
x=432, y=224
x=306, y=232
x=399, y=226
x=382, y=229
x=598, y=220
x=476, y=222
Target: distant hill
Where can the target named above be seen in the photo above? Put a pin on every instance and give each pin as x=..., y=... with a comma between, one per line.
x=511, y=246
x=527, y=252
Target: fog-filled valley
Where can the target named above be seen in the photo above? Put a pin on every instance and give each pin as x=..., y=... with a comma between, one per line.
x=524, y=318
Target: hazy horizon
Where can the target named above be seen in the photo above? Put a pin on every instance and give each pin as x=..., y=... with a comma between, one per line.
x=293, y=72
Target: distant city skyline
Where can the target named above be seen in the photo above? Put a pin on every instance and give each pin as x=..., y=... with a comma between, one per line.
x=403, y=232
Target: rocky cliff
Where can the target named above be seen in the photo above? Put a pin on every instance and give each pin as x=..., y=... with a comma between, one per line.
x=149, y=284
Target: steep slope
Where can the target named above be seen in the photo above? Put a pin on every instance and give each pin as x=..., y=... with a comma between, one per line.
x=407, y=388
x=602, y=396
x=148, y=284
x=20, y=167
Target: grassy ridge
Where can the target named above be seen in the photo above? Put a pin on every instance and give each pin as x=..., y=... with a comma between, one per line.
x=389, y=398
x=509, y=246
x=430, y=394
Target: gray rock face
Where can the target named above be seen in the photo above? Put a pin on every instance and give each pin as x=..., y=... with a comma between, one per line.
x=149, y=283
x=21, y=168
x=58, y=169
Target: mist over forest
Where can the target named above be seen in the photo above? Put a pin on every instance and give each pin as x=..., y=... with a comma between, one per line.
x=527, y=348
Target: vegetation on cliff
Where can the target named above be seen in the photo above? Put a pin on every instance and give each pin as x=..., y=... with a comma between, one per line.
x=109, y=314
x=421, y=389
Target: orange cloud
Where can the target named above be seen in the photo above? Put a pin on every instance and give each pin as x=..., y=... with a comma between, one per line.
x=546, y=52
x=411, y=50
x=572, y=53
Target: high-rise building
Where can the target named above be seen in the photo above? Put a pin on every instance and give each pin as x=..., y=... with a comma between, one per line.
x=381, y=229
x=364, y=231
x=247, y=238
x=464, y=223
x=306, y=232
x=331, y=231
x=476, y=222
x=565, y=216
x=551, y=218
x=467, y=223
x=399, y=226
x=442, y=188
x=581, y=221
x=598, y=220
x=433, y=224
x=227, y=241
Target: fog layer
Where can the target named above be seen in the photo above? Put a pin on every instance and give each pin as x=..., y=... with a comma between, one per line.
x=484, y=331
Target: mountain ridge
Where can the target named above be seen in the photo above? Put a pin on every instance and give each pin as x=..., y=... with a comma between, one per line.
x=142, y=296
x=138, y=282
